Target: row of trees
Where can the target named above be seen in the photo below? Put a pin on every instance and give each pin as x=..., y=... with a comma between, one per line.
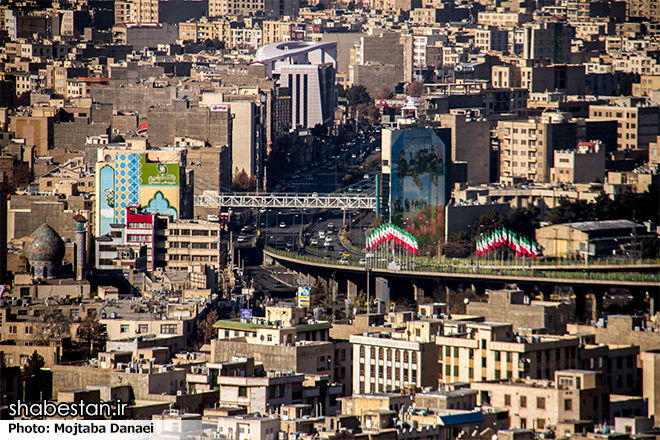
x=639, y=207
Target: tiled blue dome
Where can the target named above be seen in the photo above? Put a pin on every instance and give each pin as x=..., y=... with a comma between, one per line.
x=44, y=245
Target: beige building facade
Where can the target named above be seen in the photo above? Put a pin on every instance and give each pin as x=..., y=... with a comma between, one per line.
x=573, y=395
x=475, y=352
x=384, y=364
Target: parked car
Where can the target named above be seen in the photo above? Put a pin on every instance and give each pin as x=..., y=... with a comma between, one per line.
x=241, y=238
x=282, y=225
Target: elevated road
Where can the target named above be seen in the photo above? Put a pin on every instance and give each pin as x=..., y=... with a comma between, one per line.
x=471, y=273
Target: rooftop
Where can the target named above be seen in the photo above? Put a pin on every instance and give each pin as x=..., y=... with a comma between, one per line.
x=603, y=225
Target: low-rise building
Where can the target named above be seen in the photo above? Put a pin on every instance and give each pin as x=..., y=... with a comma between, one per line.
x=604, y=238
x=534, y=404
x=514, y=307
x=485, y=351
x=382, y=363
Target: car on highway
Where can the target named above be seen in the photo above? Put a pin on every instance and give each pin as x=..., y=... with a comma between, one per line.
x=343, y=261
x=314, y=242
x=363, y=262
x=282, y=225
x=241, y=238
x=331, y=225
x=328, y=238
x=321, y=235
x=366, y=176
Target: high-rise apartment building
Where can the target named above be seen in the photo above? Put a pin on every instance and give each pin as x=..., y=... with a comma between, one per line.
x=136, y=11
x=270, y=8
x=527, y=147
x=638, y=121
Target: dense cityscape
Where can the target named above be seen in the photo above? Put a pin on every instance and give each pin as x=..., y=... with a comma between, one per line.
x=379, y=220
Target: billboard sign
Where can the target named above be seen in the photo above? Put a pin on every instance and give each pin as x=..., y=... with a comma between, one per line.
x=420, y=180
x=220, y=108
x=159, y=174
x=303, y=296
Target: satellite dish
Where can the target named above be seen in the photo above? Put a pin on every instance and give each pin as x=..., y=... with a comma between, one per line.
x=466, y=301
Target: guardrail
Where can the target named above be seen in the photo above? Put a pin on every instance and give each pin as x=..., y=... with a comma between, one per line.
x=420, y=266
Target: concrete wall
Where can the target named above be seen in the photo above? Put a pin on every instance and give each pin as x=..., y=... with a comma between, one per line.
x=462, y=217
x=470, y=142
x=302, y=359
x=552, y=316
x=72, y=135
x=345, y=42
x=181, y=120
x=376, y=76
x=67, y=377
x=131, y=97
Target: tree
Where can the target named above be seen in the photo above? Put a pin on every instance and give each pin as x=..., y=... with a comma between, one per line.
x=54, y=326
x=92, y=333
x=319, y=131
x=369, y=112
x=625, y=86
x=571, y=211
x=37, y=383
x=650, y=247
x=458, y=245
x=416, y=89
x=205, y=330
x=357, y=95
x=318, y=294
x=385, y=93
x=34, y=365
x=487, y=223
x=243, y=182
x=522, y=220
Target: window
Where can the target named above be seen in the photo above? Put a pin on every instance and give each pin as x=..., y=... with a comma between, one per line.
x=540, y=402
x=168, y=329
x=497, y=356
x=447, y=351
x=125, y=328
x=13, y=330
x=142, y=238
x=523, y=401
x=455, y=370
x=455, y=352
x=507, y=400
x=448, y=370
x=568, y=405
x=28, y=330
x=143, y=328
x=483, y=362
x=523, y=423
x=242, y=391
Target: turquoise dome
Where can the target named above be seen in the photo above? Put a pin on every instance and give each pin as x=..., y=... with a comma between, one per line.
x=44, y=245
